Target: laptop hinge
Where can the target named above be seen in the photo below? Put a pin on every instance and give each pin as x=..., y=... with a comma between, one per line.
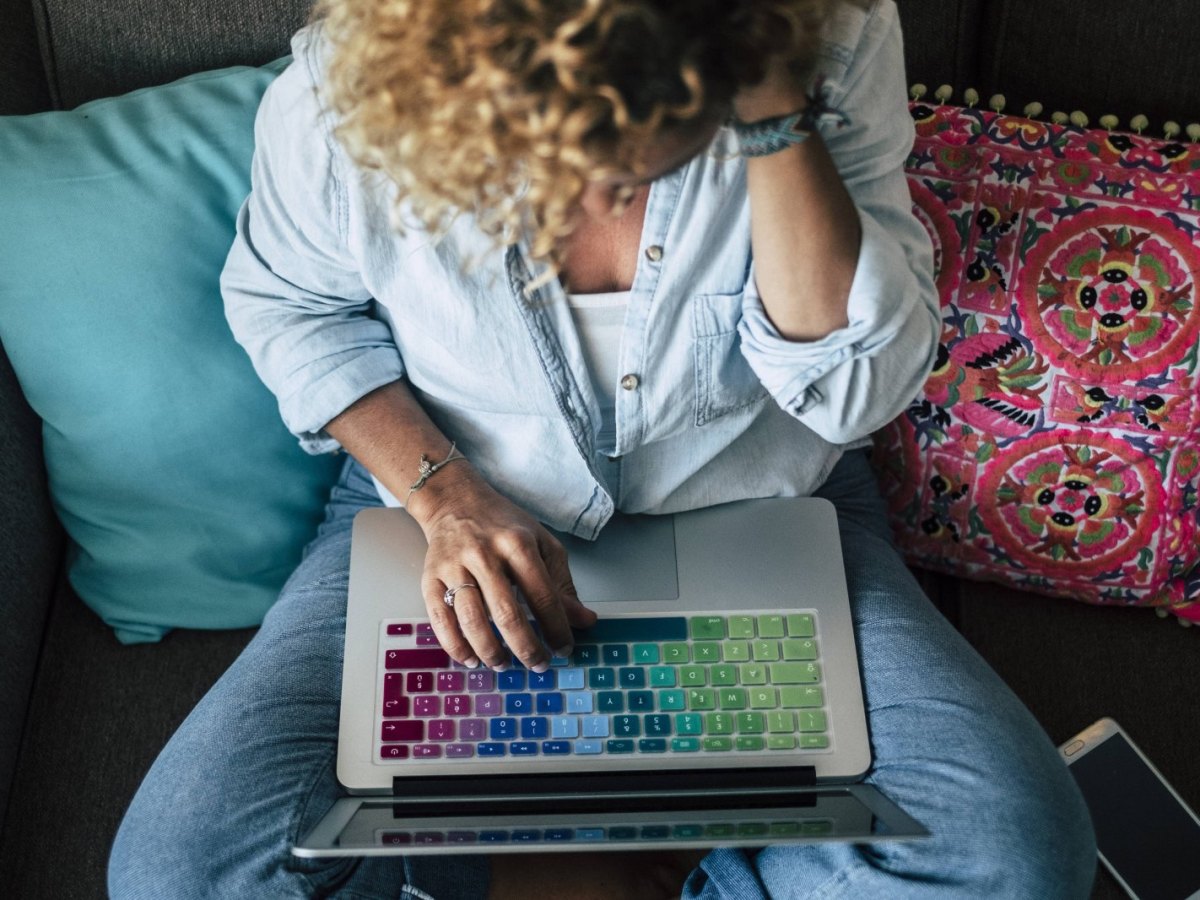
x=601, y=791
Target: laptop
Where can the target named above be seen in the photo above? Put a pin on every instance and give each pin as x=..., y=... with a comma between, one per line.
x=716, y=702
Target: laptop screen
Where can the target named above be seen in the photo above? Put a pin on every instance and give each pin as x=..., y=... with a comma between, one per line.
x=371, y=826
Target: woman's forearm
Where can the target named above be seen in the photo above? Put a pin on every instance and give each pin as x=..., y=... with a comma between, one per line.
x=805, y=234
x=804, y=227
x=388, y=431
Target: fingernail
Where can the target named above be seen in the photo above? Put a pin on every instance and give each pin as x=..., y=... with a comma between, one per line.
x=565, y=652
x=471, y=663
x=503, y=667
x=540, y=668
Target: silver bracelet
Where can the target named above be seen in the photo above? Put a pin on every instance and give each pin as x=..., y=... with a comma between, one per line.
x=427, y=469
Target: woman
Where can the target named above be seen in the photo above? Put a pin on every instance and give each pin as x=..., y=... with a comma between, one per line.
x=513, y=238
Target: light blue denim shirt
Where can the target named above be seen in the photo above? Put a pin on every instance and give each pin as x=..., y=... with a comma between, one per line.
x=331, y=302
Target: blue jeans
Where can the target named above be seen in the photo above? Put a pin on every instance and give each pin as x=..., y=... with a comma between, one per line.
x=251, y=770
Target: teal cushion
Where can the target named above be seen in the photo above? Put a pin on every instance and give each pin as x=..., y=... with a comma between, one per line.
x=186, y=500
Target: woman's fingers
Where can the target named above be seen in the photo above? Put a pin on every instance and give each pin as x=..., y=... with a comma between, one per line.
x=512, y=620
x=499, y=548
x=532, y=574
x=578, y=615
x=444, y=619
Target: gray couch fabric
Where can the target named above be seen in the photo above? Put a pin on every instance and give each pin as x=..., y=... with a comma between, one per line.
x=30, y=548
x=1100, y=56
x=22, y=78
x=90, y=690
x=93, y=52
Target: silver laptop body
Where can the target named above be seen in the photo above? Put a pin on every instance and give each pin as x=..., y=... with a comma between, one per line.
x=776, y=554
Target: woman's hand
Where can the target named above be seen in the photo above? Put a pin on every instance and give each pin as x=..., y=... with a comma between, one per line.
x=477, y=536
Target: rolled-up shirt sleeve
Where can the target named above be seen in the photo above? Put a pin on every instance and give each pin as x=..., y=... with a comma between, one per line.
x=857, y=378
x=293, y=295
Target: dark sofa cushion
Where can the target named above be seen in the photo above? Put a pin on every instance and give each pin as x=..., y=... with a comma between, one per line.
x=939, y=40
x=30, y=547
x=22, y=78
x=1102, y=56
x=99, y=715
x=92, y=52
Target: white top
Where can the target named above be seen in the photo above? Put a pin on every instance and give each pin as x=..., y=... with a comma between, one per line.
x=598, y=320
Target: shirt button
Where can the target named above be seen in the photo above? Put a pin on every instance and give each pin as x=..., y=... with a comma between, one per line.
x=630, y=382
x=654, y=253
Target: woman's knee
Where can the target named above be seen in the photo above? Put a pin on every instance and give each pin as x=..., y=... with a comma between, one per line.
x=1000, y=827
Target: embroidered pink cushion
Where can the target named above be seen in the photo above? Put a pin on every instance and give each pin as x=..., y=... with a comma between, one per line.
x=1054, y=446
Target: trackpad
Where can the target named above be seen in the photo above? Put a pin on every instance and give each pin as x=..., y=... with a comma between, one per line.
x=633, y=559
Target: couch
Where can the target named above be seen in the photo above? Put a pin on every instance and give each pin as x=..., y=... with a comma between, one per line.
x=82, y=717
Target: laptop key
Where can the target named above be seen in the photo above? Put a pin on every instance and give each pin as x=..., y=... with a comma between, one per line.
x=450, y=682
x=416, y=659
x=770, y=626
x=671, y=700
x=570, y=679
x=458, y=705
x=518, y=704
x=419, y=683
x=637, y=628
x=472, y=730
x=396, y=708
x=626, y=726
x=641, y=701
x=491, y=748
x=707, y=628
x=801, y=625
x=794, y=648
x=488, y=704
x=645, y=654
x=602, y=678
x=610, y=701
x=614, y=654
x=502, y=729
x=795, y=673
x=741, y=627
x=586, y=655
x=408, y=730
x=541, y=681
x=482, y=680
x=511, y=680
x=427, y=706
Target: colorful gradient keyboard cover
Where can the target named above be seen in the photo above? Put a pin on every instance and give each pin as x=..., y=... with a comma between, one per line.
x=717, y=690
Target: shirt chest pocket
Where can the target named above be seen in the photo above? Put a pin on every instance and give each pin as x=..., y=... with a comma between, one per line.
x=725, y=382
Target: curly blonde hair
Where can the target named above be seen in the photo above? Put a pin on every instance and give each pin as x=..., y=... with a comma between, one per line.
x=507, y=109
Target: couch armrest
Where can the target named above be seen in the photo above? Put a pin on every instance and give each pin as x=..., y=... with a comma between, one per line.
x=30, y=557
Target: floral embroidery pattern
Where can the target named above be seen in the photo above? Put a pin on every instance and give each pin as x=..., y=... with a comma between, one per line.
x=1054, y=446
